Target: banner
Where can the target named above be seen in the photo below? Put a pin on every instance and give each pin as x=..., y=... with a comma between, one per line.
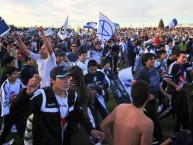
x=121, y=86
x=4, y=27
x=106, y=28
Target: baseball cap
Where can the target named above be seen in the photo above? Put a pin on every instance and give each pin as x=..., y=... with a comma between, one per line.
x=59, y=52
x=59, y=72
x=156, y=40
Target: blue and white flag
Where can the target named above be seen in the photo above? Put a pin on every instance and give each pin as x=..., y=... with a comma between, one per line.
x=172, y=24
x=126, y=78
x=91, y=25
x=63, y=32
x=106, y=28
x=121, y=85
x=4, y=28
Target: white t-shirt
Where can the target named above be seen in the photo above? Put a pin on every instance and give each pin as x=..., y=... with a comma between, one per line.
x=63, y=104
x=7, y=91
x=82, y=65
x=44, y=67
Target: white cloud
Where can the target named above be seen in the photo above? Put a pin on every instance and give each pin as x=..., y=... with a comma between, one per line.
x=124, y=12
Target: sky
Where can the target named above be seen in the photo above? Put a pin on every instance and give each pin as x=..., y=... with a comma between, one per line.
x=127, y=13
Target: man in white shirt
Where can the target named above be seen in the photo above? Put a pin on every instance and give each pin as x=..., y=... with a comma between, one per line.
x=82, y=61
x=46, y=59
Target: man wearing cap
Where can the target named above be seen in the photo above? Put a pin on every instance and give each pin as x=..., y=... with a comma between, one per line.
x=46, y=59
x=62, y=60
x=55, y=112
x=152, y=48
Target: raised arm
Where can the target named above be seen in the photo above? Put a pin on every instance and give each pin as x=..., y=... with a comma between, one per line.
x=46, y=41
x=22, y=46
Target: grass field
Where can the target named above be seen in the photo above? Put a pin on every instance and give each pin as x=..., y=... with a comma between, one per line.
x=167, y=123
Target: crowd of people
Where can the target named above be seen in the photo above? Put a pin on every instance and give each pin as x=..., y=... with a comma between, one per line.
x=56, y=91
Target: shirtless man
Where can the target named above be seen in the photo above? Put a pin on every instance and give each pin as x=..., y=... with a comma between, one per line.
x=130, y=125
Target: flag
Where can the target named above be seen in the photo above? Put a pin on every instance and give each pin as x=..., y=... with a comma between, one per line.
x=117, y=26
x=63, y=32
x=126, y=78
x=121, y=85
x=91, y=25
x=4, y=28
x=172, y=24
x=72, y=32
x=49, y=32
x=106, y=28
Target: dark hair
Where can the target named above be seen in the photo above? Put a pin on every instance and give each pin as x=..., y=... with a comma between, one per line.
x=92, y=63
x=180, y=52
x=8, y=59
x=10, y=69
x=81, y=51
x=140, y=92
x=169, y=40
x=105, y=61
x=78, y=77
x=147, y=56
x=27, y=58
x=160, y=52
x=77, y=74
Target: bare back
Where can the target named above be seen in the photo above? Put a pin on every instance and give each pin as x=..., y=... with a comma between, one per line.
x=132, y=126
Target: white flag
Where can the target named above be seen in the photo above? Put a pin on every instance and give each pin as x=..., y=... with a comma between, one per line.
x=63, y=32
x=49, y=32
x=106, y=28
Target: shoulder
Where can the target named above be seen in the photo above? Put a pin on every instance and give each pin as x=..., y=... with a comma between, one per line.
x=38, y=93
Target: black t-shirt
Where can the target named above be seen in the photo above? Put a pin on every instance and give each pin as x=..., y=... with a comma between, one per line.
x=177, y=72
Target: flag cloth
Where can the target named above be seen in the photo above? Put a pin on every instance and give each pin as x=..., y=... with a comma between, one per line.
x=121, y=86
x=49, y=32
x=106, y=28
x=117, y=26
x=4, y=28
x=63, y=32
x=91, y=25
x=172, y=24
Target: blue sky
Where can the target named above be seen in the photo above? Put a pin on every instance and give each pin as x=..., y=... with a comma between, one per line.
x=125, y=12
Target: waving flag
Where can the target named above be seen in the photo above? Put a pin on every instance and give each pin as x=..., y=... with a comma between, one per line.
x=63, y=32
x=49, y=32
x=106, y=28
x=91, y=25
x=172, y=24
x=4, y=28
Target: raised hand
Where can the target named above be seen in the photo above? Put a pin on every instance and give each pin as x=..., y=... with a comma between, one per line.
x=33, y=84
x=15, y=35
x=41, y=30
